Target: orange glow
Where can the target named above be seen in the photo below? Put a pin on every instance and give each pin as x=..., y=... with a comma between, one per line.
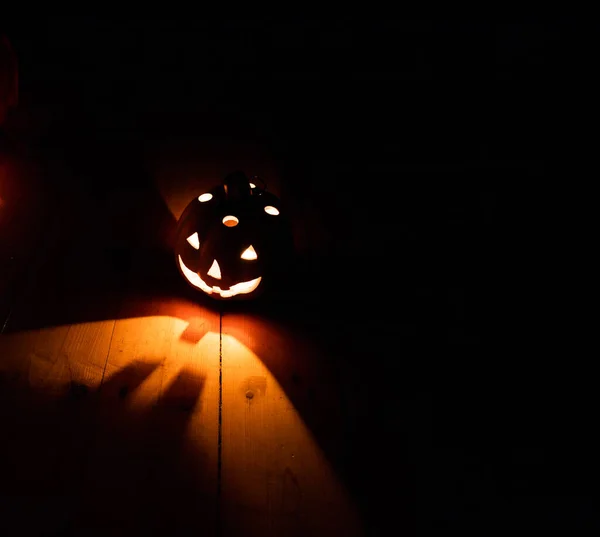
x=205, y=197
x=193, y=278
x=231, y=221
x=194, y=240
x=241, y=288
x=269, y=209
x=237, y=418
x=249, y=254
x=278, y=453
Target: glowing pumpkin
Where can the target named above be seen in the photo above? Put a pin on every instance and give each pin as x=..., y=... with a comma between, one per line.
x=9, y=93
x=231, y=240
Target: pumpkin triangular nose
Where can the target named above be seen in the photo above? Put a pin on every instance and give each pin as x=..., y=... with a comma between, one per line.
x=214, y=270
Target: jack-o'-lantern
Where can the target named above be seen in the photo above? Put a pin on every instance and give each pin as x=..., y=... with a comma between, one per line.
x=232, y=240
x=9, y=92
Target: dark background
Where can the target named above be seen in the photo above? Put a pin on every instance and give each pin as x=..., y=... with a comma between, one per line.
x=421, y=149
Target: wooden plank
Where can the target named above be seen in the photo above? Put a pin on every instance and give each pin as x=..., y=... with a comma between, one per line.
x=112, y=413
x=145, y=440
x=46, y=425
x=153, y=465
x=276, y=479
x=54, y=358
x=47, y=338
x=45, y=429
x=48, y=361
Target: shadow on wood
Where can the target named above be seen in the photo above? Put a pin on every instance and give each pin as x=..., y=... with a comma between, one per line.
x=105, y=277
x=86, y=462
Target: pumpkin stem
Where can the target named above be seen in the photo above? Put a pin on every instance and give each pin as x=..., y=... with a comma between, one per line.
x=237, y=185
x=264, y=187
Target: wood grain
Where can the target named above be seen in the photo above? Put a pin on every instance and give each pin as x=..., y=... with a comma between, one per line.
x=109, y=382
x=155, y=454
x=124, y=412
x=276, y=479
x=131, y=410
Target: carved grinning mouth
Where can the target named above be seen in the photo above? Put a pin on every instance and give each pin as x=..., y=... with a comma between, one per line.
x=241, y=288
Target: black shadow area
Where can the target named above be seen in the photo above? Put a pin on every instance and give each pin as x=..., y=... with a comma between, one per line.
x=88, y=462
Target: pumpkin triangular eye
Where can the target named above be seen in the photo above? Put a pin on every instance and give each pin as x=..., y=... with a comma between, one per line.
x=194, y=240
x=249, y=253
x=215, y=270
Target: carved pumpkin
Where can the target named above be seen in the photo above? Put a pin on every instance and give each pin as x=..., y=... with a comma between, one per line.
x=231, y=240
x=8, y=78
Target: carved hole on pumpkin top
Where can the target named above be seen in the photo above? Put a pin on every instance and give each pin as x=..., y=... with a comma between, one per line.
x=230, y=221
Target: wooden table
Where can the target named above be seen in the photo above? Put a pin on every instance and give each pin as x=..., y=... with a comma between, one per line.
x=130, y=406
